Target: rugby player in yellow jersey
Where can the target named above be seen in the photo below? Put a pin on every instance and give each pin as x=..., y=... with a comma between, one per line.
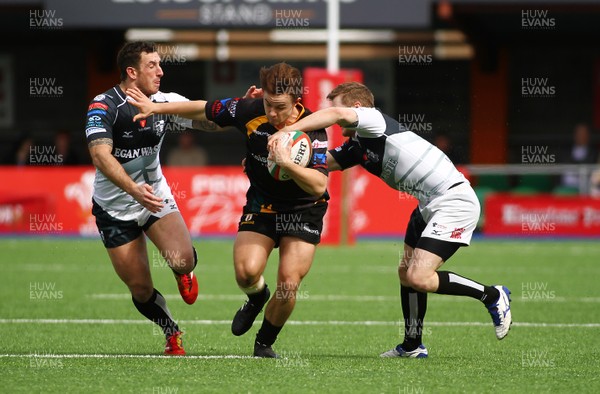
x=283, y=214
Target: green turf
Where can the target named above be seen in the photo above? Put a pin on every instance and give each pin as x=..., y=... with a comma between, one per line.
x=552, y=282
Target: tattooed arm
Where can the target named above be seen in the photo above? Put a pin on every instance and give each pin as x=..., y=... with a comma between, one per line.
x=105, y=162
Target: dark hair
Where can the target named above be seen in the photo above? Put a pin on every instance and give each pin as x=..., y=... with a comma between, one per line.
x=351, y=92
x=281, y=78
x=130, y=55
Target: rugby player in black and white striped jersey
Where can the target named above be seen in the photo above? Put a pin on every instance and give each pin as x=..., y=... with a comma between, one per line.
x=131, y=198
x=444, y=220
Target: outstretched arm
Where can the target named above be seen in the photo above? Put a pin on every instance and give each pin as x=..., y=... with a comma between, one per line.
x=345, y=117
x=187, y=109
x=208, y=125
x=332, y=164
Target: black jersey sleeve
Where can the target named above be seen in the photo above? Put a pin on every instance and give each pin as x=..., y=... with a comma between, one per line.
x=101, y=116
x=233, y=111
x=319, y=150
x=348, y=154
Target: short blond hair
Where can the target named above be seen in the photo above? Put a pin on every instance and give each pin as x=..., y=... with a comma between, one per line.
x=351, y=92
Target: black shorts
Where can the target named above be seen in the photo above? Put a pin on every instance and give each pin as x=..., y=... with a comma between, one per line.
x=306, y=224
x=116, y=232
x=413, y=238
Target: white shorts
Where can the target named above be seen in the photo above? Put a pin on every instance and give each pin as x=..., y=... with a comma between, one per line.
x=141, y=214
x=453, y=216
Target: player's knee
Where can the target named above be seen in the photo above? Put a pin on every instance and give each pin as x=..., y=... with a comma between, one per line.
x=417, y=280
x=246, y=278
x=183, y=261
x=141, y=292
x=403, y=274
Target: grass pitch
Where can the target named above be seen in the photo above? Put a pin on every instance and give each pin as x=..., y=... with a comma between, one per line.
x=67, y=324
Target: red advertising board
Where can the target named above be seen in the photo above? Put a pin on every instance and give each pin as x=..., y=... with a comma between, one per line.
x=541, y=215
x=57, y=201
x=377, y=209
x=318, y=82
x=46, y=200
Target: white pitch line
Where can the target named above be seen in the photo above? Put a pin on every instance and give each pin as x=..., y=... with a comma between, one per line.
x=241, y=297
x=352, y=298
x=299, y=323
x=60, y=356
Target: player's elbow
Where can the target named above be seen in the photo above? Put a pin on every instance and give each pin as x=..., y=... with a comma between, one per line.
x=99, y=154
x=343, y=116
x=96, y=158
x=319, y=187
x=99, y=161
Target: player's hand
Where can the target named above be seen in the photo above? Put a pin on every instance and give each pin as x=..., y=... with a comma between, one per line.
x=253, y=92
x=274, y=138
x=142, y=102
x=280, y=152
x=146, y=197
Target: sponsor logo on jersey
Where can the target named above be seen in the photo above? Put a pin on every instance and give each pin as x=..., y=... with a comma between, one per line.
x=97, y=106
x=134, y=153
x=436, y=232
x=94, y=122
x=372, y=156
x=319, y=158
x=259, y=158
x=99, y=97
x=388, y=168
x=316, y=144
x=159, y=127
x=217, y=108
x=261, y=133
x=232, y=106
x=93, y=130
x=96, y=112
x=128, y=134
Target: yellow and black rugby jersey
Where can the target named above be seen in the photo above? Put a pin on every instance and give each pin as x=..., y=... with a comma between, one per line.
x=265, y=193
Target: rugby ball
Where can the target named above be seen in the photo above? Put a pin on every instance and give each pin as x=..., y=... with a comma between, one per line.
x=300, y=154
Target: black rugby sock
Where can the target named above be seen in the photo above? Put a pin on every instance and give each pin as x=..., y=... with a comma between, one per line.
x=155, y=309
x=453, y=284
x=414, y=306
x=267, y=335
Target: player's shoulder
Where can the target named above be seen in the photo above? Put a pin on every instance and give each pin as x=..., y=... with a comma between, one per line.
x=371, y=111
x=111, y=98
x=237, y=107
x=372, y=122
x=162, y=97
